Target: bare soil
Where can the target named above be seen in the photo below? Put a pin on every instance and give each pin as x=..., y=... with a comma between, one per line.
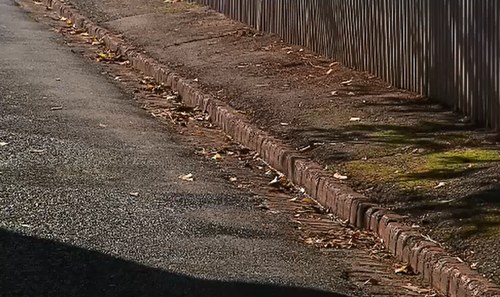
x=409, y=153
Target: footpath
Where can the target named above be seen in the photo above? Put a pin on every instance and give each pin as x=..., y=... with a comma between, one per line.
x=408, y=154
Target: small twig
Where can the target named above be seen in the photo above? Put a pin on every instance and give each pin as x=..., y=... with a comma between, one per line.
x=427, y=237
x=171, y=118
x=317, y=66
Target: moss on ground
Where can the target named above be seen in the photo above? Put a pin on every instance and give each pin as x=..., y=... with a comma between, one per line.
x=424, y=139
x=487, y=226
x=389, y=136
x=454, y=159
x=419, y=171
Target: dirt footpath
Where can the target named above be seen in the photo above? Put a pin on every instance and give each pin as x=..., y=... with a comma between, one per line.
x=409, y=153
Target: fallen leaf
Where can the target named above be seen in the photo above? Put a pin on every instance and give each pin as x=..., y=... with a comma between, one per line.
x=187, y=177
x=306, y=200
x=416, y=289
x=306, y=148
x=309, y=240
x=201, y=152
x=371, y=281
x=275, y=181
x=63, y=19
x=347, y=82
x=37, y=151
x=135, y=194
x=288, y=185
x=340, y=176
x=263, y=205
x=404, y=270
x=217, y=157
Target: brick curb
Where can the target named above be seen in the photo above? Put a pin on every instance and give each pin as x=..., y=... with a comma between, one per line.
x=444, y=273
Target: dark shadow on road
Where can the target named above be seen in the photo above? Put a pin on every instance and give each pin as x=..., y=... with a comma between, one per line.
x=31, y=266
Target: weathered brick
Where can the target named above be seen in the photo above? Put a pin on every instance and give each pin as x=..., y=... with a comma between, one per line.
x=354, y=210
x=404, y=244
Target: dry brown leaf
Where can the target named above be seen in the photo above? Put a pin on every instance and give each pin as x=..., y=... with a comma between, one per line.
x=340, y=176
x=187, y=177
x=406, y=269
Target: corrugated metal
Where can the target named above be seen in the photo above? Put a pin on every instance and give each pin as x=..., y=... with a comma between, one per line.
x=448, y=50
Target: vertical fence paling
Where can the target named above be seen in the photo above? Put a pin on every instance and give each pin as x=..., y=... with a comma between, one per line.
x=448, y=50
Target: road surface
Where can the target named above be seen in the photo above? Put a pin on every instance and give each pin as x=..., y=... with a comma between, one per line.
x=91, y=203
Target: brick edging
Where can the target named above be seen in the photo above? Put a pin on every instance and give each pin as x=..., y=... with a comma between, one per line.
x=444, y=273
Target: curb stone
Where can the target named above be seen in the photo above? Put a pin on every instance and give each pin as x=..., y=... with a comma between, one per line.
x=446, y=274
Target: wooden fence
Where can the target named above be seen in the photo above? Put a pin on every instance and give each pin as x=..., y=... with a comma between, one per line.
x=448, y=50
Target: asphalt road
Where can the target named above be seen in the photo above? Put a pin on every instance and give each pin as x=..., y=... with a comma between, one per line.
x=72, y=149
